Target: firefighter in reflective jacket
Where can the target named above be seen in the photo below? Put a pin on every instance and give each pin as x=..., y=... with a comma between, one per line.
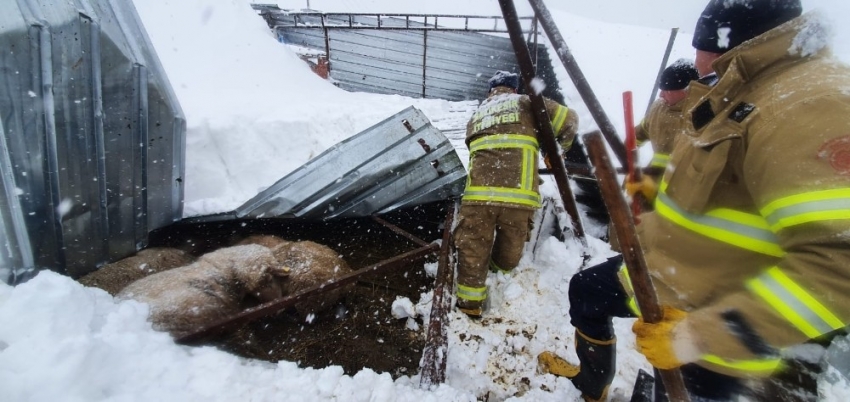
x=664, y=122
x=749, y=244
x=501, y=191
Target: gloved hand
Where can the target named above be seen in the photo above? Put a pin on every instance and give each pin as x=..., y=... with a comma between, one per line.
x=666, y=344
x=646, y=187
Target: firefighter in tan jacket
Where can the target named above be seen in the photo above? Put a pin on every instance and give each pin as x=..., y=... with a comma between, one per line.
x=664, y=122
x=501, y=191
x=748, y=248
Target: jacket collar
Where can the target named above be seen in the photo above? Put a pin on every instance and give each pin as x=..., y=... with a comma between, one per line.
x=786, y=44
x=500, y=91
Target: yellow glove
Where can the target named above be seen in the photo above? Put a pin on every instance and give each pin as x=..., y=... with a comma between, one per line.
x=646, y=186
x=655, y=341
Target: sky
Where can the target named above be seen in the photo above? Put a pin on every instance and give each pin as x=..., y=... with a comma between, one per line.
x=254, y=113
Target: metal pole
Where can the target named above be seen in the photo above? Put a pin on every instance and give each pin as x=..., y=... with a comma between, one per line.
x=666, y=57
x=545, y=135
x=579, y=80
x=624, y=227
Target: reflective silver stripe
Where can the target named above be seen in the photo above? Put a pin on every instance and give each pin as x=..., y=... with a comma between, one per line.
x=470, y=293
x=719, y=225
x=794, y=303
x=502, y=194
x=810, y=211
x=504, y=141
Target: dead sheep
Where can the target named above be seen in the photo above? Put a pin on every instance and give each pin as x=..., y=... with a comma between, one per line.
x=312, y=264
x=218, y=285
x=117, y=275
x=269, y=241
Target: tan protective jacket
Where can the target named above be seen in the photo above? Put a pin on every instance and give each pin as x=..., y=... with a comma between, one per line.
x=661, y=126
x=503, y=148
x=751, y=233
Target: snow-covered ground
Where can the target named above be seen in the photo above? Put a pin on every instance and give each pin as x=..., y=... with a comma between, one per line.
x=255, y=112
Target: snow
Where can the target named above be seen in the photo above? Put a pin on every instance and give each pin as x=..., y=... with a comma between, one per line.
x=256, y=112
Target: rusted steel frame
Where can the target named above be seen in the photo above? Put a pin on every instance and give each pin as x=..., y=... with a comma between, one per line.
x=579, y=80
x=327, y=44
x=545, y=134
x=399, y=231
x=436, y=346
x=275, y=306
x=624, y=228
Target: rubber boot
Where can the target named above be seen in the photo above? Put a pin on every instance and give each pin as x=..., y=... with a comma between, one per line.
x=595, y=372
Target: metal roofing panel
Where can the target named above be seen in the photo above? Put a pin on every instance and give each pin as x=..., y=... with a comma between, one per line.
x=84, y=90
x=400, y=162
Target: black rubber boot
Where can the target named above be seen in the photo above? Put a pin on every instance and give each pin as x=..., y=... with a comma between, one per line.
x=598, y=360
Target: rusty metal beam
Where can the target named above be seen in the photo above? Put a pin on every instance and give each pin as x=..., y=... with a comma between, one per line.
x=624, y=228
x=545, y=134
x=399, y=231
x=275, y=306
x=436, y=347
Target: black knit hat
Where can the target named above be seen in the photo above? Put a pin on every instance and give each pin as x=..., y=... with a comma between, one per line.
x=725, y=24
x=678, y=75
x=504, y=79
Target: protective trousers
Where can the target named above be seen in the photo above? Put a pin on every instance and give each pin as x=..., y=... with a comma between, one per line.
x=596, y=296
x=487, y=236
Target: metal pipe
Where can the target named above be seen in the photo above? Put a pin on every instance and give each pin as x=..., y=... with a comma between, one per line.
x=399, y=231
x=664, y=59
x=545, y=135
x=579, y=80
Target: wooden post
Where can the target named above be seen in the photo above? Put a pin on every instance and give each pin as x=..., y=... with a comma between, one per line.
x=437, y=346
x=624, y=228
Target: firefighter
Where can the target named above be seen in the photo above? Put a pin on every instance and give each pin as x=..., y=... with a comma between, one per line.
x=748, y=246
x=664, y=121
x=501, y=190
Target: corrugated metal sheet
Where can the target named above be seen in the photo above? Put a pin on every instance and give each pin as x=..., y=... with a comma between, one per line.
x=93, y=137
x=400, y=162
x=431, y=63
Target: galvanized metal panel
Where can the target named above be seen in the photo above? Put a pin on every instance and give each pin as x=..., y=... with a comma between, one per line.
x=400, y=162
x=93, y=136
x=433, y=64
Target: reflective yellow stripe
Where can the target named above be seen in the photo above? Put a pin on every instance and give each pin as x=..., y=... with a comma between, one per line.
x=763, y=367
x=632, y=303
x=794, y=303
x=496, y=268
x=660, y=160
x=470, y=293
x=529, y=168
x=501, y=141
x=559, y=119
x=502, y=194
x=808, y=207
x=740, y=229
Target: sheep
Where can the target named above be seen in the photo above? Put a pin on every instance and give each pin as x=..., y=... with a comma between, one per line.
x=311, y=264
x=218, y=285
x=115, y=276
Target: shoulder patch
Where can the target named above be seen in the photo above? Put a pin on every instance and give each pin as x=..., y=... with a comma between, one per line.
x=836, y=152
x=740, y=112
